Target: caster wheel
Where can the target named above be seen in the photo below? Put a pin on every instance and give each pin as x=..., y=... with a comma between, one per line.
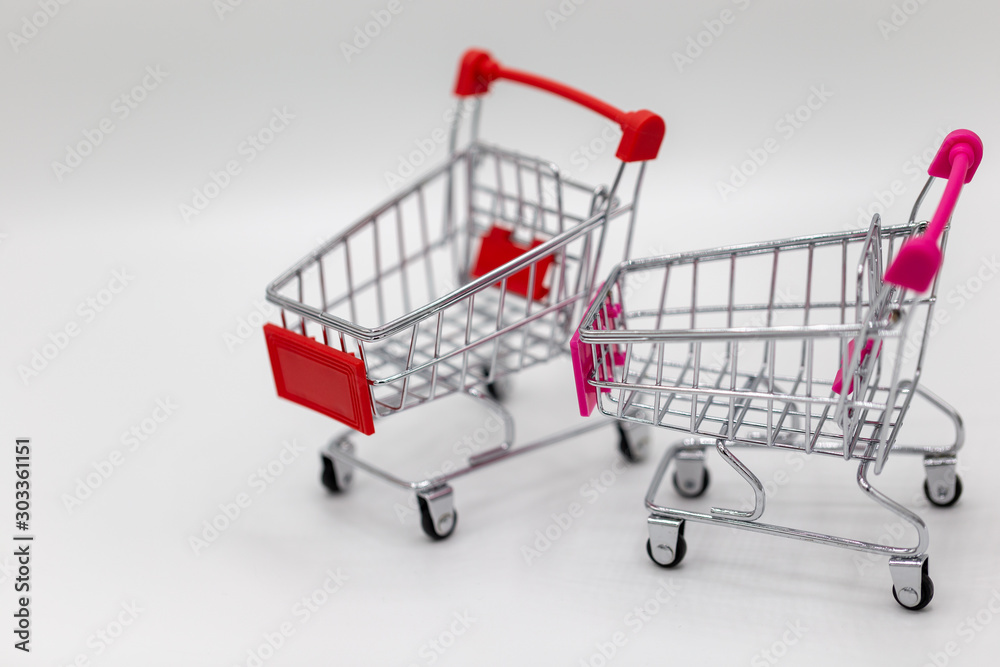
x=947, y=503
x=499, y=389
x=334, y=478
x=926, y=592
x=695, y=492
x=427, y=522
x=678, y=556
x=632, y=442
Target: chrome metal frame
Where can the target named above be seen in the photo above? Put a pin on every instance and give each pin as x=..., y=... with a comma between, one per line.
x=429, y=341
x=659, y=372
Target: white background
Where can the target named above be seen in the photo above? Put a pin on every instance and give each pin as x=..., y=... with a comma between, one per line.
x=164, y=335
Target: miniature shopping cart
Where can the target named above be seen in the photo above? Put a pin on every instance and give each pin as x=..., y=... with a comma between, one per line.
x=730, y=346
x=479, y=270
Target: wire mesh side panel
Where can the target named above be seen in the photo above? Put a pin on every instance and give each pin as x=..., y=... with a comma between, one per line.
x=393, y=261
x=746, y=343
x=523, y=195
x=403, y=276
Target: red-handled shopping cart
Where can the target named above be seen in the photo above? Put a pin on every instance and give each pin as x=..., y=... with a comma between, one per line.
x=803, y=344
x=479, y=270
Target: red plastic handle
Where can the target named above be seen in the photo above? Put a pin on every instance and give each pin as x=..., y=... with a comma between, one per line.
x=642, y=131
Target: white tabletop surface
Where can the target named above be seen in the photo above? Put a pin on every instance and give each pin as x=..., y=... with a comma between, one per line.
x=115, y=578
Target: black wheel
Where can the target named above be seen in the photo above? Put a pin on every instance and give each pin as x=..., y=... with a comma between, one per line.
x=499, y=389
x=679, y=554
x=329, y=476
x=949, y=503
x=427, y=522
x=693, y=493
x=335, y=479
x=926, y=590
x=629, y=451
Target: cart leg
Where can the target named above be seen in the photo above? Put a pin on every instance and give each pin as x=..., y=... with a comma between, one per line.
x=337, y=473
x=759, y=497
x=437, y=512
x=952, y=414
x=911, y=584
x=666, y=545
x=633, y=438
x=691, y=475
x=502, y=414
x=942, y=486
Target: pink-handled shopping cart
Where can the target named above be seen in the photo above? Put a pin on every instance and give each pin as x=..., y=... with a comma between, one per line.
x=807, y=344
x=479, y=270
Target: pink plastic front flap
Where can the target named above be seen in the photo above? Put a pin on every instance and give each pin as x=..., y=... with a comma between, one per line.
x=838, y=382
x=584, y=367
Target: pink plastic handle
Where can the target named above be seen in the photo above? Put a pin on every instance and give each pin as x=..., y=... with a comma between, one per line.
x=919, y=258
x=957, y=160
x=642, y=131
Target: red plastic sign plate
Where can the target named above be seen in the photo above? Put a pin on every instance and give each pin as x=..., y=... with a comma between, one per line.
x=321, y=378
x=497, y=248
